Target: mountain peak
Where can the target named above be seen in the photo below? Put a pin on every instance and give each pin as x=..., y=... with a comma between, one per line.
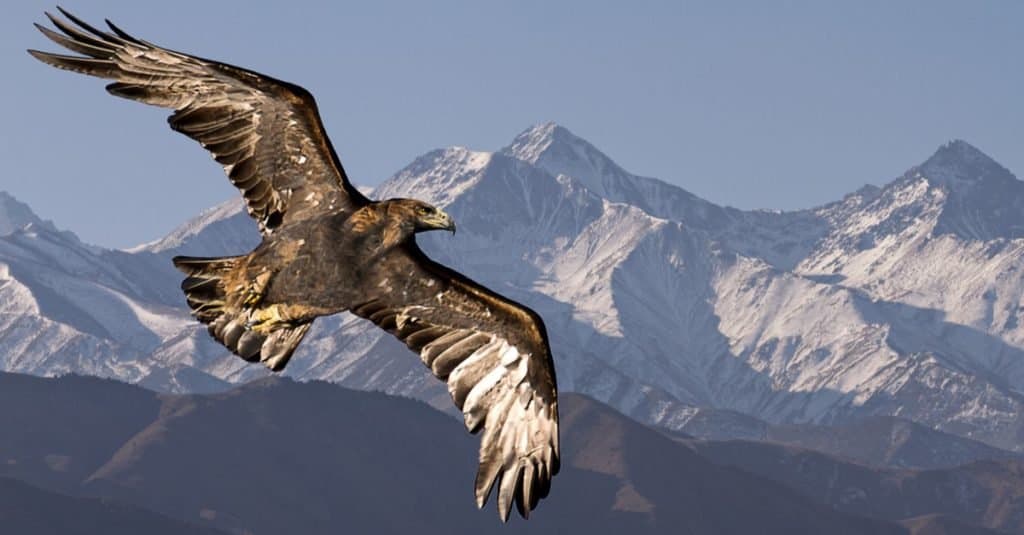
x=985, y=197
x=531, y=144
x=958, y=162
x=15, y=215
x=437, y=177
x=558, y=151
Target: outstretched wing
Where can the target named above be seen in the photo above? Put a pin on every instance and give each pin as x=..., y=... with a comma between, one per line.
x=494, y=355
x=266, y=133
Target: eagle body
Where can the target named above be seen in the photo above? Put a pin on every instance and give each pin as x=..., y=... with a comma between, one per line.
x=327, y=263
x=326, y=249
x=319, y=266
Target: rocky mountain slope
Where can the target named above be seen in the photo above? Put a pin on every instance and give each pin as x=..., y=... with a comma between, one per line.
x=275, y=456
x=888, y=441
x=984, y=493
x=896, y=300
x=880, y=441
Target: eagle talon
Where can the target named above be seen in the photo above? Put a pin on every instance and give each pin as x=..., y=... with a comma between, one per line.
x=256, y=291
x=252, y=298
x=265, y=320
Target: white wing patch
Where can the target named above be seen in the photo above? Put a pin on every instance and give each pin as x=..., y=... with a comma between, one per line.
x=503, y=387
x=520, y=430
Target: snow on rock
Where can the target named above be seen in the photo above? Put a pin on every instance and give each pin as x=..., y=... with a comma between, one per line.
x=15, y=215
x=903, y=299
x=440, y=176
x=220, y=231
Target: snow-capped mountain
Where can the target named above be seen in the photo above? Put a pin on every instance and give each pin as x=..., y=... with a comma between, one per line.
x=897, y=300
x=69, y=307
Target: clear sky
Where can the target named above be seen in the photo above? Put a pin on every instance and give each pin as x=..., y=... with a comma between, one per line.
x=759, y=104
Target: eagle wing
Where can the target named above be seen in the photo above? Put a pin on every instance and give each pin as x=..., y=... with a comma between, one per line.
x=265, y=132
x=494, y=355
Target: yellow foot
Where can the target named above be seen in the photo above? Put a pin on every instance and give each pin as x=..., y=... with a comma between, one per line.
x=256, y=289
x=264, y=320
x=252, y=298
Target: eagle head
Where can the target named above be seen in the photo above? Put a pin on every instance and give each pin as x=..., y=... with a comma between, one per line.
x=423, y=216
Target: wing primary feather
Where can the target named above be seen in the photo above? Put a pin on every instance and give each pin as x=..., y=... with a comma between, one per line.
x=507, y=490
x=129, y=91
x=122, y=34
x=451, y=357
x=224, y=135
x=378, y=316
x=388, y=323
x=71, y=44
x=232, y=158
x=212, y=124
x=199, y=114
x=259, y=190
x=77, y=34
x=421, y=338
x=528, y=498
x=243, y=170
x=91, y=66
x=438, y=346
x=368, y=308
x=471, y=372
x=216, y=103
x=226, y=144
x=486, y=474
x=106, y=36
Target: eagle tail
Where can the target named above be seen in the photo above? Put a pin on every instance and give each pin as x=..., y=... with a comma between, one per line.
x=231, y=323
x=204, y=287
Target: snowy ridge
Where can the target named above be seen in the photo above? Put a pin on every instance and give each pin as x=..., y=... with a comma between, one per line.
x=441, y=176
x=558, y=151
x=896, y=300
x=16, y=215
x=74, y=308
x=218, y=231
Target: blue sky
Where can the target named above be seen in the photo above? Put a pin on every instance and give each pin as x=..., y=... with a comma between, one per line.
x=752, y=104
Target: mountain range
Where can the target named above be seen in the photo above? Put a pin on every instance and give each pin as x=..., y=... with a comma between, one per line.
x=276, y=456
x=901, y=300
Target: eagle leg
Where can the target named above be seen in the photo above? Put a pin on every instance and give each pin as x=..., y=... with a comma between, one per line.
x=271, y=318
x=257, y=289
x=266, y=320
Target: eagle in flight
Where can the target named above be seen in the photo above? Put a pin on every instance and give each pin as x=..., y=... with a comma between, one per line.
x=326, y=249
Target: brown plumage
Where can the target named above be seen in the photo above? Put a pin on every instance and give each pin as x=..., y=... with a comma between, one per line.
x=326, y=249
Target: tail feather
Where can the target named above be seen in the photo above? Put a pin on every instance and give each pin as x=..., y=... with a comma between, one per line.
x=204, y=286
x=227, y=319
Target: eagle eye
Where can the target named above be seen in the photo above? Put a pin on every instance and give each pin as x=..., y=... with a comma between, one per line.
x=423, y=210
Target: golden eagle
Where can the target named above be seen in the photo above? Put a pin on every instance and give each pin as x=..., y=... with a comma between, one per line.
x=327, y=249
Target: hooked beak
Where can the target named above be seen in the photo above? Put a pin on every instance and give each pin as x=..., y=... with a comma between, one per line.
x=449, y=223
x=442, y=221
